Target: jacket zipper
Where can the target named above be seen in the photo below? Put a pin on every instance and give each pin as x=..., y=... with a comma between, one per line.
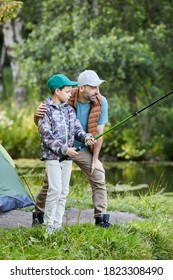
x=65, y=125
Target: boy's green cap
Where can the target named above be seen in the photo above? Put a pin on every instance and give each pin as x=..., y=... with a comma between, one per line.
x=59, y=81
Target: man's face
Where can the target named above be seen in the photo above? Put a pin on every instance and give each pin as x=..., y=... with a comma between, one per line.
x=90, y=93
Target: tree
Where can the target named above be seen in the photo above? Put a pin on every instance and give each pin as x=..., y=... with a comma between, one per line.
x=129, y=43
x=11, y=29
x=9, y=9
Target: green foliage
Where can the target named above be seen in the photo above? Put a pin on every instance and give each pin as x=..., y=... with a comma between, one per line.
x=9, y=9
x=102, y=37
x=7, y=84
x=18, y=133
x=128, y=43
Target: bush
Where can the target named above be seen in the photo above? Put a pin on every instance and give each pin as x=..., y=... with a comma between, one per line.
x=18, y=133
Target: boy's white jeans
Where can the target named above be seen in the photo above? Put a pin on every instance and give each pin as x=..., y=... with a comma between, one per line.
x=59, y=178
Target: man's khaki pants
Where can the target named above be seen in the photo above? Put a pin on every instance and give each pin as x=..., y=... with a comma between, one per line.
x=97, y=182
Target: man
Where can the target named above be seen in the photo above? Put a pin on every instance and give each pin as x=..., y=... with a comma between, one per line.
x=92, y=111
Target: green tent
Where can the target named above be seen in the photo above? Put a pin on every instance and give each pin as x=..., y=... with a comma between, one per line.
x=12, y=191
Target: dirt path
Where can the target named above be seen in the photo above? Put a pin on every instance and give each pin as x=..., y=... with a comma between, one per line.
x=15, y=218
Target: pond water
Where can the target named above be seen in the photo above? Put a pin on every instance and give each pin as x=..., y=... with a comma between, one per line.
x=157, y=176
x=120, y=176
x=137, y=175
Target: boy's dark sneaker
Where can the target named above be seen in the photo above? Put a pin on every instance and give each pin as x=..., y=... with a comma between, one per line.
x=103, y=221
x=37, y=218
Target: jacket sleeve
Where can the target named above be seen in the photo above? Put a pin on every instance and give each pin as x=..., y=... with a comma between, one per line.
x=47, y=138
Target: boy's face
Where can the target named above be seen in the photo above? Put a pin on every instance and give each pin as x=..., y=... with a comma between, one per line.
x=64, y=94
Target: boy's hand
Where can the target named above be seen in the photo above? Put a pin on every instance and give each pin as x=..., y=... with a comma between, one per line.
x=71, y=152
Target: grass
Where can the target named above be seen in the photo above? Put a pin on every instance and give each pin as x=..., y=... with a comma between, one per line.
x=150, y=238
x=84, y=242
x=147, y=239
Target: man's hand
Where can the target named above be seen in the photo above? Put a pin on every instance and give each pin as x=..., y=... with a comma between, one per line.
x=89, y=140
x=96, y=164
x=41, y=110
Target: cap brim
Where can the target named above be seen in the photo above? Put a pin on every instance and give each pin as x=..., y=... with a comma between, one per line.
x=97, y=84
x=101, y=82
x=73, y=84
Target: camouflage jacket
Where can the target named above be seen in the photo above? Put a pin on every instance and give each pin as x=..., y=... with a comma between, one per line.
x=58, y=129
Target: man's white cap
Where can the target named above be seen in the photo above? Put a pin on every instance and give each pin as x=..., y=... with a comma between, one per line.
x=89, y=78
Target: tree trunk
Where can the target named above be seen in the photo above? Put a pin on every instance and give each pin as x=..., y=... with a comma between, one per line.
x=12, y=35
x=95, y=9
x=2, y=60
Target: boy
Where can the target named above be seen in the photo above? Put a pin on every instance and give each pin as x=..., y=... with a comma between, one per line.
x=58, y=129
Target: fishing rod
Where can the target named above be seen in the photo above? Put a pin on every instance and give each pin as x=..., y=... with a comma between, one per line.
x=137, y=113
